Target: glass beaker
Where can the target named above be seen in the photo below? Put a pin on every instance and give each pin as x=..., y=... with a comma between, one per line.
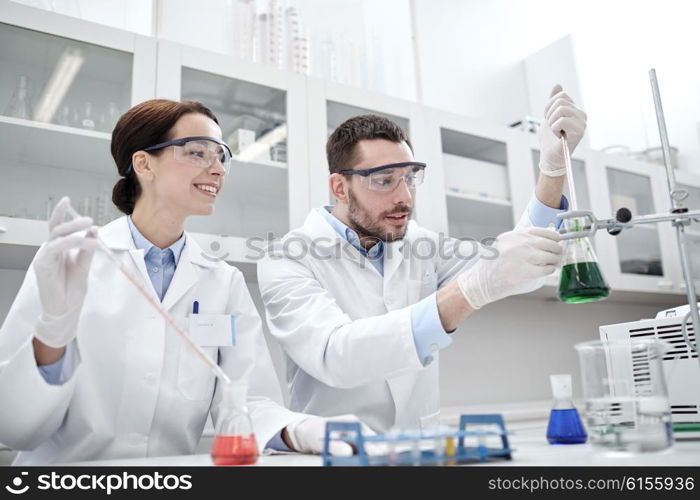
x=627, y=406
x=581, y=279
x=234, y=442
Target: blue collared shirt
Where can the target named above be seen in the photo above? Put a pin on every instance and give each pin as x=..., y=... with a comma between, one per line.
x=428, y=334
x=160, y=264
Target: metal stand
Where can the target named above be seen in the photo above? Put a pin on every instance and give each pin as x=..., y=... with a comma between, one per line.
x=679, y=218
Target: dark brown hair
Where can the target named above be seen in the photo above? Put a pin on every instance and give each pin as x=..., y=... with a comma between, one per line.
x=144, y=125
x=340, y=148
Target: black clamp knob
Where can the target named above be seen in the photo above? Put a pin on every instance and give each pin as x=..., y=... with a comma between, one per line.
x=623, y=215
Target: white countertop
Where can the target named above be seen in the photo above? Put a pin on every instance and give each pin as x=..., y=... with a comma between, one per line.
x=529, y=444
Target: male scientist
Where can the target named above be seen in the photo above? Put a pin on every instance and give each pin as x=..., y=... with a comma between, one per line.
x=362, y=299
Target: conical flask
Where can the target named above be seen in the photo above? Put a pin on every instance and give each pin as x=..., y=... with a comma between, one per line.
x=234, y=443
x=20, y=105
x=581, y=278
x=565, y=426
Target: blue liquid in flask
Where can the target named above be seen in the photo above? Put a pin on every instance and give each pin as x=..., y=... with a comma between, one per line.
x=565, y=427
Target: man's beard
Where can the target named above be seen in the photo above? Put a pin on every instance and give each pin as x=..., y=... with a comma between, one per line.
x=368, y=227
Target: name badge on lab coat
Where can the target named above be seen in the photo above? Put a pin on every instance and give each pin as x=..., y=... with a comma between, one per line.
x=213, y=330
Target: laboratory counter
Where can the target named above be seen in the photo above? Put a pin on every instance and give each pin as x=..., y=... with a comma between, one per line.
x=530, y=448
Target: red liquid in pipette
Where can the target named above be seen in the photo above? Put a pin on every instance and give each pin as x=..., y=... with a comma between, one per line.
x=234, y=450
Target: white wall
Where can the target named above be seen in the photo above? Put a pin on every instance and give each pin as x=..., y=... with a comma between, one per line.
x=471, y=51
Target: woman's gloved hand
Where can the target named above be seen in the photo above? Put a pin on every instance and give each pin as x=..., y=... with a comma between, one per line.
x=61, y=266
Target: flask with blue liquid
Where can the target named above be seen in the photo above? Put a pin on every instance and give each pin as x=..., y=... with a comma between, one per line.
x=565, y=426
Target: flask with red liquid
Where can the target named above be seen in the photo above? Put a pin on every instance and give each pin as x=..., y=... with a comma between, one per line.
x=234, y=443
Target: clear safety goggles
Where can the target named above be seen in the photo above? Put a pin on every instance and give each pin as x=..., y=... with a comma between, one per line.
x=200, y=151
x=388, y=177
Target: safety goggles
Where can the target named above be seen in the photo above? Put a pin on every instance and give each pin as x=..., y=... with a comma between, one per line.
x=388, y=177
x=200, y=151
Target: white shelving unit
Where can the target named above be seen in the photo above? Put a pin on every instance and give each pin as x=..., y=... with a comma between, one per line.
x=474, y=166
x=267, y=195
x=641, y=258
x=51, y=150
x=259, y=199
x=328, y=105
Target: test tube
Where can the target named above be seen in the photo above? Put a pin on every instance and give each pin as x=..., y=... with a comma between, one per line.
x=215, y=368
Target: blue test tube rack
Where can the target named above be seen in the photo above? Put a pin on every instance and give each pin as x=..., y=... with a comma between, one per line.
x=470, y=427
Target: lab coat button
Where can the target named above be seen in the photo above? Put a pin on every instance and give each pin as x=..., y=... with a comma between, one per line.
x=150, y=379
x=433, y=347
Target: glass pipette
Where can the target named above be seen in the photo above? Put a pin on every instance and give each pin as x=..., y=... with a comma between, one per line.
x=221, y=375
x=573, y=204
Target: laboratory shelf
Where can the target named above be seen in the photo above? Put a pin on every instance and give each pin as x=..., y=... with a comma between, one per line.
x=476, y=217
x=475, y=197
x=262, y=163
x=474, y=147
x=26, y=141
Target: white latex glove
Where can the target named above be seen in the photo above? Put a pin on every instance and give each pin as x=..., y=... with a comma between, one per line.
x=560, y=114
x=61, y=268
x=524, y=255
x=307, y=436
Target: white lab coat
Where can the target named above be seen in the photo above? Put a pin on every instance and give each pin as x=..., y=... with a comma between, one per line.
x=346, y=330
x=136, y=389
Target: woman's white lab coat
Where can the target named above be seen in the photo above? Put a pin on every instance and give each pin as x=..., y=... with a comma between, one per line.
x=134, y=388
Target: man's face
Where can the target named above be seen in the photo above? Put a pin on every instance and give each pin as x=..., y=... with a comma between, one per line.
x=383, y=215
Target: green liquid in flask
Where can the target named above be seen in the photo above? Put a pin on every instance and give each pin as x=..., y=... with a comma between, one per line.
x=582, y=282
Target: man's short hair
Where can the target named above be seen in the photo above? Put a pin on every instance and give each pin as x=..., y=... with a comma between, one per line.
x=340, y=147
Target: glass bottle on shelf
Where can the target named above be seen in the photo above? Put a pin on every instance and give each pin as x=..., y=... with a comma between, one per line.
x=65, y=116
x=20, y=106
x=109, y=118
x=87, y=121
x=234, y=441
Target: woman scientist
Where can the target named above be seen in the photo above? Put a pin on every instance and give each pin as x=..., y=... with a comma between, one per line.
x=88, y=370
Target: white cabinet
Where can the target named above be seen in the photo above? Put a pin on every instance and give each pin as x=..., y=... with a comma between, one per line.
x=328, y=105
x=641, y=258
x=263, y=117
x=63, y=84
x=479, y=178
x=477, y=166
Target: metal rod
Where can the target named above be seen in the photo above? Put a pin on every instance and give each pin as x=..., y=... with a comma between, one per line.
x=680, y=230
x=591, y=224
x=663, y=133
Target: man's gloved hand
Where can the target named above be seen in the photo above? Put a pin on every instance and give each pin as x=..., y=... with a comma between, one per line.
x=560, y=114
x=307, y=436
x=61, y=268
x=524, y=255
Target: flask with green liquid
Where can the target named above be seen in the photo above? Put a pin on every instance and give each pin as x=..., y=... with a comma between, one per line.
x=581, y=278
